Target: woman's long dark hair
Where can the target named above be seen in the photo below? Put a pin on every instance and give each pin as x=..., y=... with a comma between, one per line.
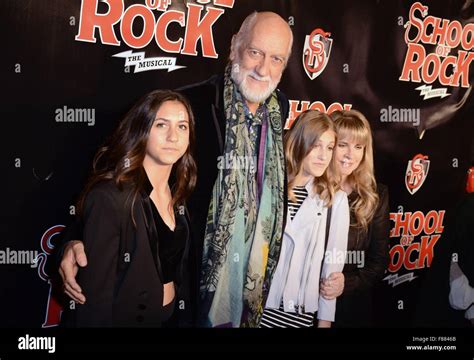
x=121, y=157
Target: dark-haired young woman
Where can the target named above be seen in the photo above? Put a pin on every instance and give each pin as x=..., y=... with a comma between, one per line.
x=135, y=227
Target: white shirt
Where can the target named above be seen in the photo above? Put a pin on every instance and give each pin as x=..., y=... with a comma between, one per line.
x=297, y=275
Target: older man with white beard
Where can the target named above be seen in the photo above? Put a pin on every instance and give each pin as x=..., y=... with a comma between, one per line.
x=237, y=212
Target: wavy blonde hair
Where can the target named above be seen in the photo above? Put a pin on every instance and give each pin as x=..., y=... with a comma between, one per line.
x=299, y=141
x=352, y=125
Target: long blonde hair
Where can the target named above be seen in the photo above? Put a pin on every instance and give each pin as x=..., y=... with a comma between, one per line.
x=351, y=124
x=299, y=141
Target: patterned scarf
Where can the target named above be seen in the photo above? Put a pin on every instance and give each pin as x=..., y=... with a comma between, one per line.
x=243, y=238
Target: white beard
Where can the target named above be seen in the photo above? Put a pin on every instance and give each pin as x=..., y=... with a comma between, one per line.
x=240, y=77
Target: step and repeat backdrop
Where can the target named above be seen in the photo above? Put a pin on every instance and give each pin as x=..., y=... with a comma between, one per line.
x=71, y=69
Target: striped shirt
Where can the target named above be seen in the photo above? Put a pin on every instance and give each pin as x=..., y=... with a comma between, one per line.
x=301, y=194
x=273, y=318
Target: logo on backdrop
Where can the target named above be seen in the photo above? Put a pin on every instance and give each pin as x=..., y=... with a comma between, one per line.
x=418, y=234
x=448, y=64
x=197, y=22
x=417, y=171
x=141, y=63
x=299, y=106
x=316, y=52
x=53, y=308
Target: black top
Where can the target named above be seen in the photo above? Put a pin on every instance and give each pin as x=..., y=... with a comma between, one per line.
x=171, y=246
x=354, y=307
x=123, y=280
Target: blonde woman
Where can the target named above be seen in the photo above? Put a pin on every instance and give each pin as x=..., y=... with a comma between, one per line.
x=369, y=229
x=294, y=299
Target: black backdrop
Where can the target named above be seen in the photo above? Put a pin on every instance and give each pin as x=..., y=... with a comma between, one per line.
x=45, y=161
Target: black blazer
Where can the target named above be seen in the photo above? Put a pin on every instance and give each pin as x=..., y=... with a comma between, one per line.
x=122, y=281
x=355, y=308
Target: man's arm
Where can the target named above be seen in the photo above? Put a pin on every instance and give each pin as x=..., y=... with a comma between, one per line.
x=69, y=257
x=74, y=256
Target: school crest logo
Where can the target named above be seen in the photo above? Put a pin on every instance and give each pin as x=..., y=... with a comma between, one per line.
x=316, y=52
x=417, y=171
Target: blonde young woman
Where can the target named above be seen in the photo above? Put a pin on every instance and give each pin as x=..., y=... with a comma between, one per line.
x=369, y=229
x=294, y=298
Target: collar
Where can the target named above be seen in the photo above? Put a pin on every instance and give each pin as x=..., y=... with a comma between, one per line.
x=310, y=188
x=147, y=186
